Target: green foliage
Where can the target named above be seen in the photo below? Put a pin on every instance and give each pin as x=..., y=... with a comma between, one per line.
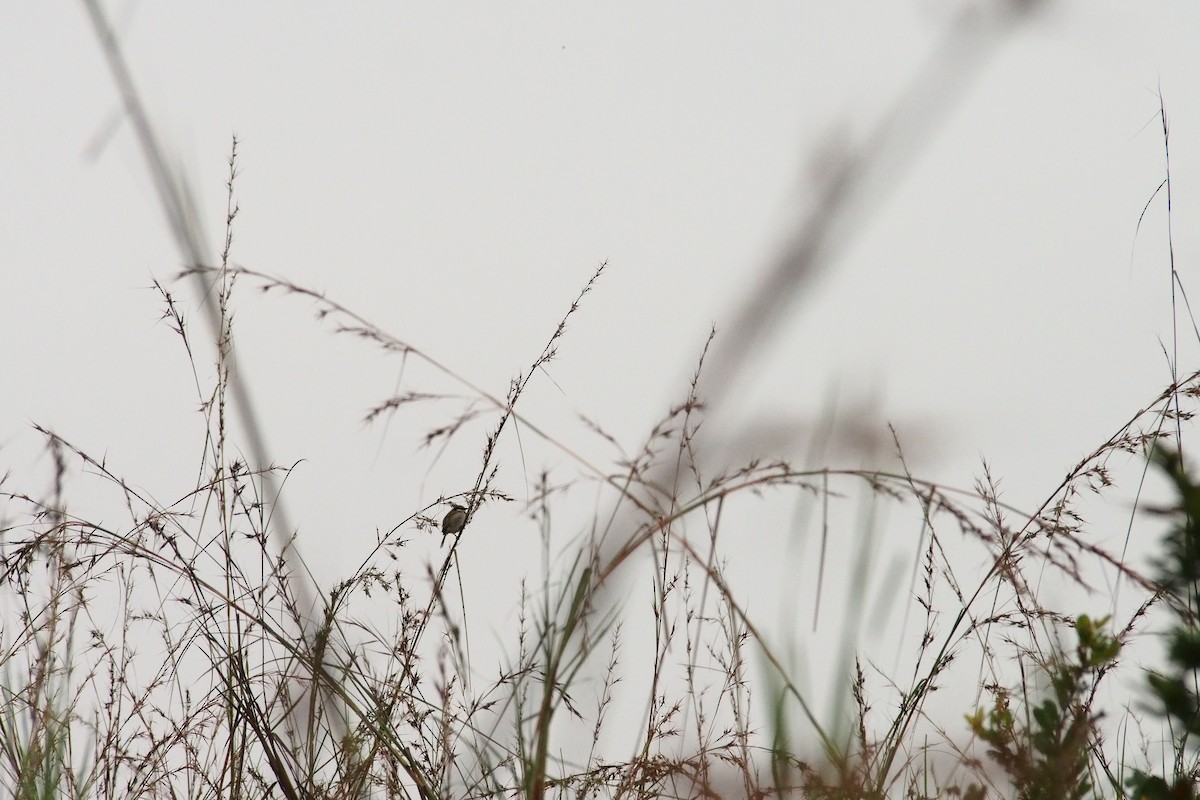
x=1048, y=758
x=1179, y=582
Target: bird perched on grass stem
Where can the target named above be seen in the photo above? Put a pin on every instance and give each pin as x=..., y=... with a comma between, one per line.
x=454, y=521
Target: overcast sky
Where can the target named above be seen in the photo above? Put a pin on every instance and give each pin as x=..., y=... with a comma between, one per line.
x=455, y=173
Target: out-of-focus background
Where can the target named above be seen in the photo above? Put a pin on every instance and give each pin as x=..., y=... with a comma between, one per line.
x=937, y=215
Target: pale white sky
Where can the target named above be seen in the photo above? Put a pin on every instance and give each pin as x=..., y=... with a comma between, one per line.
x=455, y=173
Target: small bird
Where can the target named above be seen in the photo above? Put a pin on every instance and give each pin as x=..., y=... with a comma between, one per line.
x=454, y=521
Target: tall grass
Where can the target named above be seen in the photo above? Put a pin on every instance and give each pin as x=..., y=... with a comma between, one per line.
x=186, y=651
